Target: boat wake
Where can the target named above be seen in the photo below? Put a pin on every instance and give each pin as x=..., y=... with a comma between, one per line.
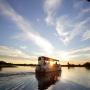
x=16, y=73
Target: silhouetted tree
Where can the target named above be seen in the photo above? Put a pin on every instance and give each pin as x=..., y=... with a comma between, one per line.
x=87, y=64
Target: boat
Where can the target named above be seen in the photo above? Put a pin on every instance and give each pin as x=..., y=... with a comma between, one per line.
x=46, y=64
x=47, y=79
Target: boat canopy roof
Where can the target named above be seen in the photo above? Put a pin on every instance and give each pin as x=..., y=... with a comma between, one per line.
x=47, y=58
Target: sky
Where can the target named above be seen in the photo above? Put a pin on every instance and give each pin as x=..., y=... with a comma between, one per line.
x=58, y=29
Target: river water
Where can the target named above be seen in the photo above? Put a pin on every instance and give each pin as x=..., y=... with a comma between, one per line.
x=24, y=78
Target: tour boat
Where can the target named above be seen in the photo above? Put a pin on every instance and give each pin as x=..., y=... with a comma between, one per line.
x=46, y=64
x=47, y=79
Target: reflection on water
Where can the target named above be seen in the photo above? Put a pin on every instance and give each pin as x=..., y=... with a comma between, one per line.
x=88, y=68
x=47, y=79
x=24, y=78
x=0, y=68
x=70, y=67
x=17, y=69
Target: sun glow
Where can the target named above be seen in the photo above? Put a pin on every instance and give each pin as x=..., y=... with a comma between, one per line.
x=65, y=56
x=51, y=63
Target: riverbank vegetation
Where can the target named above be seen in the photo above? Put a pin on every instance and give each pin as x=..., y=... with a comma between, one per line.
x=5, y=64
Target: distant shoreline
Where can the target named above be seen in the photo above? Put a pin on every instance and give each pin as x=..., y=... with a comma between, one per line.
x=5, y=64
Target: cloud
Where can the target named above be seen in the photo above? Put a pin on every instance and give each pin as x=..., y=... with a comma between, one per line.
x=79, y=51
x=87, y=10
x=82, y=13
x=26, y=28
x=73, y=54
x=67, y=29
x=79, y=54
x=49, y=7
x=86, y=35
x=23, y=47
x=13, y=52
x=81, y=10
x=60, y=29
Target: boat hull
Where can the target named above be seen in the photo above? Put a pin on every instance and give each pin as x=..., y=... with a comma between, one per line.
x=46, y=70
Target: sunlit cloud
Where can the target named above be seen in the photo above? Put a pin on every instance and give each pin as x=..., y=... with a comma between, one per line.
x=49, y=7
x=73, y=54
x=64, y=24
x=60, y=29
x=81, y=50
x=23, y=47
x=80, y=54
x=13, y=52
x=62, y=55
x=26, y=27
x=86, y=35
x=14, y=55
